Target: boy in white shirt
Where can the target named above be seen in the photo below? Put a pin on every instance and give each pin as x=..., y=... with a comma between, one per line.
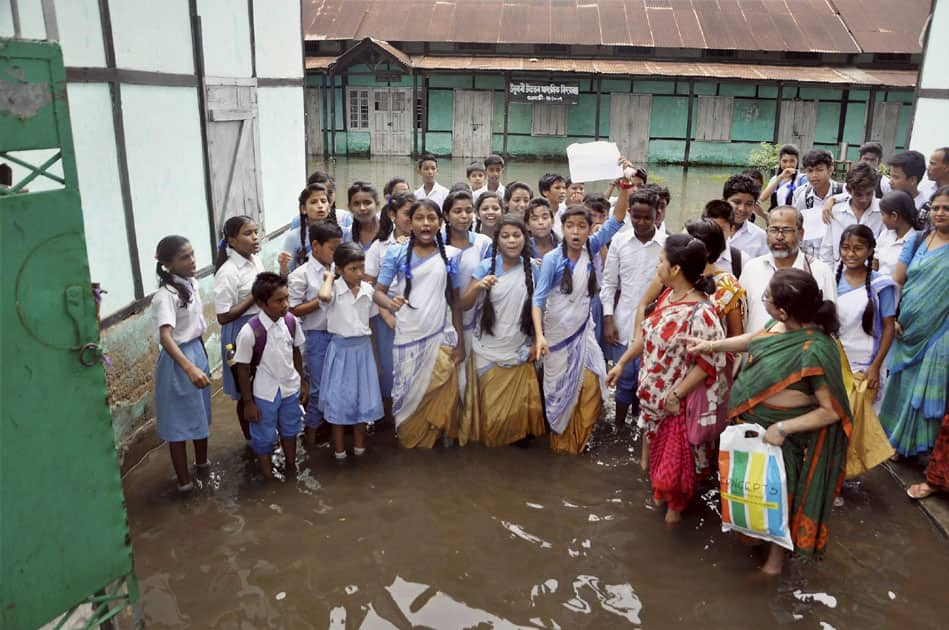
x=431, y=189
x=304, y=284
x=861, y=207
x=630, y=266
x=274, y=393
x=742, y=193
x=493, y=170
x=809, y=199
x=906, y=173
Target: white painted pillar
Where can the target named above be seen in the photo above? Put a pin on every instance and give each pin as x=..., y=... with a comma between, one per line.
x=931, y=110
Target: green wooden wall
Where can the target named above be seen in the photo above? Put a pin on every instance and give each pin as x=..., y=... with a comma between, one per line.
x=753, y=121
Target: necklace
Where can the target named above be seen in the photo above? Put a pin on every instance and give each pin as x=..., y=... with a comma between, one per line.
x=672, y=297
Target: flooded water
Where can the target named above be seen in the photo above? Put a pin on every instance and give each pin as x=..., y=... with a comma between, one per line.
x=690, y=188
x=505, y=538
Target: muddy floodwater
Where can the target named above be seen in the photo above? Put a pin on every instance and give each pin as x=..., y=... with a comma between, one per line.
x=507, y=537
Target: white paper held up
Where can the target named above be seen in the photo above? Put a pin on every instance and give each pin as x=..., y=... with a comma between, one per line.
x=594, y=161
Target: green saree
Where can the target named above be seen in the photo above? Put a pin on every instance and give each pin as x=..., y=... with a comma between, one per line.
x=815, y=461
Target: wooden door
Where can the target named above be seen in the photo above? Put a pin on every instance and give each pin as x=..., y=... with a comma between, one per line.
x=234, y=149
x=714, y=118
x=389, y=130
x=471, y=124
x=629, y=125
x=886, y=123
x=314, y=120
x=798, y=122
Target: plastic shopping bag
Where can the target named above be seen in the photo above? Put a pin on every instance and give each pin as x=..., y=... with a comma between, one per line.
x=753, y=485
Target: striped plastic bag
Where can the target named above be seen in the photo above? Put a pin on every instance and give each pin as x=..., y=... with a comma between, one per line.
x=753, y=485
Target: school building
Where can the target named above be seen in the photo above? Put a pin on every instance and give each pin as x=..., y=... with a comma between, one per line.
x=183, y=114
x=682, y=81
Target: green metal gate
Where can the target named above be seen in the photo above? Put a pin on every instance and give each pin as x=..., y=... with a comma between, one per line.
x=63, y=531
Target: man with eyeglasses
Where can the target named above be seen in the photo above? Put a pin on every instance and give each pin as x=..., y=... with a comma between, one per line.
x=785, y=233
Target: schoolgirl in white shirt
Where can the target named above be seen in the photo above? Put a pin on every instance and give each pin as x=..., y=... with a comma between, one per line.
x=235, y=269
x=182, y=375
x=900, y=225
x=350, y=382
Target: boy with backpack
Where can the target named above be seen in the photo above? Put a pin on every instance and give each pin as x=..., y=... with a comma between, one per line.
x=270, y=373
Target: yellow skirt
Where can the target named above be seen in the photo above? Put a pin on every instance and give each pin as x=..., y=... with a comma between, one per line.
x=869, y=446
x=585, y=414
x=509, y=405
x=437, y=414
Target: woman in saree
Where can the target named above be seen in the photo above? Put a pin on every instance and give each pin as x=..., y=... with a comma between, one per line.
x=792, y=385
x=914, y=401
x=677, y=387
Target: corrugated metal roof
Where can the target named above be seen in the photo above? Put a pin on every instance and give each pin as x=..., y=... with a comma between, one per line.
x=768, y=25
x=722, y=71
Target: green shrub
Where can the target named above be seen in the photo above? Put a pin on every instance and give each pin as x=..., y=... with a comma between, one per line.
x=765, y=157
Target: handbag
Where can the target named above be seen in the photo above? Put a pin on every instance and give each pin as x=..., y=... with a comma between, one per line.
x=701, y=423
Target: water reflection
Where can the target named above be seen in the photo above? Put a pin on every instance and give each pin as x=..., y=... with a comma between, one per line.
x=505, y=538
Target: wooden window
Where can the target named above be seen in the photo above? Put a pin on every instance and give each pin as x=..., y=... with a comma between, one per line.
x=549, y=120
x=359, y=109
x=714, y=120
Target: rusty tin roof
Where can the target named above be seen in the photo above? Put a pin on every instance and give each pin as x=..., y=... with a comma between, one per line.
x=833, y=26
x=686, y=69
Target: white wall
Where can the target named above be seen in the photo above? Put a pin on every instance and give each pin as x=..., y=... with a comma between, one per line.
x=282, y=154
x=278, y=38
x=225, y=27
x=80, y=33
x=166, y=171
x=90, y=106
x=154, y=36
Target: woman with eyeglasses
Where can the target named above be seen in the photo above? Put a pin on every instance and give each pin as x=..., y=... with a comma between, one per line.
x=914, y=403
x=679, y=390
x=792, y=384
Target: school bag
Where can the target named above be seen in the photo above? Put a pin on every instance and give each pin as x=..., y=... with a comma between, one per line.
x=260, y=339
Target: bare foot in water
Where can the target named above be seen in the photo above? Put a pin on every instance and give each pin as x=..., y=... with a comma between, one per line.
x=673, y=517
x=775, y=562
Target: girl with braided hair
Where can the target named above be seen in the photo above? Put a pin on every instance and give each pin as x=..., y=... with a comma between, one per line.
x=314, y=203
x=507, y=405
x=866, y=308
x=565, y=339
x=429, y=340
x=458, y=209
x=182, y=376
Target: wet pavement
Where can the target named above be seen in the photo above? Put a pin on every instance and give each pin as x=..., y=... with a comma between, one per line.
x=506, y=537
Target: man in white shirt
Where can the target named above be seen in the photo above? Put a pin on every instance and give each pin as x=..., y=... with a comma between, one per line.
x=785, y=233
x=742, y=193
x=430, y=189
x=630, y=266
x=861, y=208
x=273, y=398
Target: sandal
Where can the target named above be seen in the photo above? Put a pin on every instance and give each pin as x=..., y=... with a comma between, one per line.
x=919, y=491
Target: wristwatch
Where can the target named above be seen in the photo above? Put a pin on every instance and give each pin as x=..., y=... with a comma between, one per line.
x=781, y=430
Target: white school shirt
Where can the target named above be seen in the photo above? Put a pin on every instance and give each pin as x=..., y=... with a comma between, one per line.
x=276, y=370
x=889, y=247
x=500, y=193
x=186, y=320
x=375, y=255
x=630, y=266
x=437, y=195
x=347, y=314
x=234, y=280
x=807, y=203
x=842, y=216
x=750, y=239
x=756, y=275
x=304, y=284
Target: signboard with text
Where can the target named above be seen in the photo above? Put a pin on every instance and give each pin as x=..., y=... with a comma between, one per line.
x=536, y=92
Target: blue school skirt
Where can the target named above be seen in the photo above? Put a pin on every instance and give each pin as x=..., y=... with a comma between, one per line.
x=385, y=337
x=183, y=410
x=229, y=336
x=349, y=390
